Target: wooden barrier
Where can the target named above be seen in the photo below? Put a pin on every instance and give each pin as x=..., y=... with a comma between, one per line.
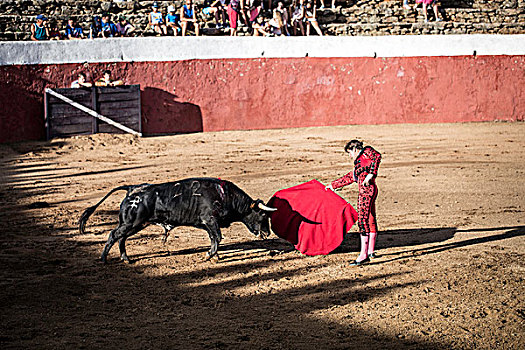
x=83, y=111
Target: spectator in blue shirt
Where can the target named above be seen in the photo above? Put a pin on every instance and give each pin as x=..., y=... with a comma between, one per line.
x=95, y=30
x=39, y=30
x=155, y=20
x=188, y=16
x=73, y=30
x=173, y=20
x=108, y=28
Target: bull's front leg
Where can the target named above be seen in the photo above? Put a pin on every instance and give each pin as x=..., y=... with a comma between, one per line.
x=122, y=248
x=215, y=237
x=167, y=229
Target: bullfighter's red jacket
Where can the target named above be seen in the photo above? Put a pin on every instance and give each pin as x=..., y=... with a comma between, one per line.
x=367, y=162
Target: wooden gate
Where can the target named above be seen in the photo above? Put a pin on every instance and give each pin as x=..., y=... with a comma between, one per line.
x=84, y=111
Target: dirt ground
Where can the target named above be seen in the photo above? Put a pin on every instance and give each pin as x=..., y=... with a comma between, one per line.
x=450, y=272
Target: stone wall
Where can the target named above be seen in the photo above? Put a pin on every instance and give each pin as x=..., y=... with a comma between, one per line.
x=351, y=17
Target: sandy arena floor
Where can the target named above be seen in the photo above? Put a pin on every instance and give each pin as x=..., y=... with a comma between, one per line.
x=450, y=275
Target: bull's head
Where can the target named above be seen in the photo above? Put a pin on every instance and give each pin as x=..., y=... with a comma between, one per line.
x=257, y=220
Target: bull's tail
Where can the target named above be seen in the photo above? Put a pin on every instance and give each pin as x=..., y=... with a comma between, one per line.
x=87, y=213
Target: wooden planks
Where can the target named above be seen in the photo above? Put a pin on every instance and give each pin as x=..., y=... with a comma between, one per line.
x=121, y=104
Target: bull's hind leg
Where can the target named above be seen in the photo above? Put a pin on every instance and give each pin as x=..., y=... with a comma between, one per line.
x=109, y=244
x=215, y=236
x=122, y=231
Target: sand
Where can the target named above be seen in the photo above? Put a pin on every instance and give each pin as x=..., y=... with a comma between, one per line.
x=450, y=273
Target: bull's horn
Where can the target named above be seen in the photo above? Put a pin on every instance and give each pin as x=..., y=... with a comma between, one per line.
x=264, y=207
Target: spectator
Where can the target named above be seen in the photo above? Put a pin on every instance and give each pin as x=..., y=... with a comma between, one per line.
x=124, y=28
x=73, y=31
x=322, y=5
x=218, y=9
x=260, y=27
x=275, y=24
x=54, y=33
x=254, y=8
x=39, y=30
x=155, y=20
x=173, y=20
x=406, y=6
x=81, y=81
x=188, y=16
x=234, y=8
x=434, y=4
x=109, y=29
x=298, y=15
x=95, y=29
x=107, y=81
x=284, y=17
x=311, y=18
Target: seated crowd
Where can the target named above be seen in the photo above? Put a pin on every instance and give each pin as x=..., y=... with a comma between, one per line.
x=105, y=80
x=261, y=17
x=101, y=27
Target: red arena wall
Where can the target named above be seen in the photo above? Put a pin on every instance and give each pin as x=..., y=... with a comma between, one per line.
x=263, y=93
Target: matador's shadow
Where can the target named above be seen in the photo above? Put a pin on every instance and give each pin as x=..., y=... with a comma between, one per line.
x=400, y=238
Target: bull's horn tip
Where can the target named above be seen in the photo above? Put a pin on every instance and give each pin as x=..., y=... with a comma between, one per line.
x=264, y=207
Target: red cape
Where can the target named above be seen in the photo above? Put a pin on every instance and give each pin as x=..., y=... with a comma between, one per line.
x=312, y=218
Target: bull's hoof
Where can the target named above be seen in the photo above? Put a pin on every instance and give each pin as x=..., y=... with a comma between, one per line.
x=215, y=258
x=126, y=260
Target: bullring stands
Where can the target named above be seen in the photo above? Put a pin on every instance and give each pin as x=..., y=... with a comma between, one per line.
x=350, y=17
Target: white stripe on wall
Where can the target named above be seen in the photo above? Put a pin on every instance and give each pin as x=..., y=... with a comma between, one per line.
x=186, y=48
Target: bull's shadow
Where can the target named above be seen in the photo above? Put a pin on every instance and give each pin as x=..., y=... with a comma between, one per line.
x=163, y=114
x=227, y=252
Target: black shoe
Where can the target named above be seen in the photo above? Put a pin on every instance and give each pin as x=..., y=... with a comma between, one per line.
x=359, y=263
x=373, y=256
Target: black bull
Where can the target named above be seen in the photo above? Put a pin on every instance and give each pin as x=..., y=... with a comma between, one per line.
x=206, y=203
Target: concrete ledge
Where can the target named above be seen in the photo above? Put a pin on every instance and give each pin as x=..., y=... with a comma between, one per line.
x=187, y=48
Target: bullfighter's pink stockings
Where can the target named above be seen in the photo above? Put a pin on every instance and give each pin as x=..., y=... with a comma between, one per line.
x=372, y=242
x=364, y=248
